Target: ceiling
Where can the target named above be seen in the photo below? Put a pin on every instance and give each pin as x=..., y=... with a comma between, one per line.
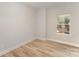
x=49, y=4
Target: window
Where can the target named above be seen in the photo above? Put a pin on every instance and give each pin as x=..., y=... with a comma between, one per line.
x=63, y=24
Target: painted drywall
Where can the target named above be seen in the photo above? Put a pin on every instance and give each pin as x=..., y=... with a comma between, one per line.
x=47, y=23
x=17, y=24
x=51, y=16
x=41, y=23
x=20, y=23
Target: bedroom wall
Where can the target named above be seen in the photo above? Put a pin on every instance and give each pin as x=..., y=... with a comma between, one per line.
x=47, y=18
x=17, y=24
x=52, y=18
x=41, y=23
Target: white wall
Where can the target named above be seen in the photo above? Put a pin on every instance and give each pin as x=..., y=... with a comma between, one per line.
x=52, y=14
x=41, y=23
x=17, y=24
x=51, y=18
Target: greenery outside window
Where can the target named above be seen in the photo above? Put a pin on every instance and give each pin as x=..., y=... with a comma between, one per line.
x=63, y=24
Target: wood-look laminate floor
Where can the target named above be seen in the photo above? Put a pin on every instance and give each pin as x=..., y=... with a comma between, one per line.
x=44, y=48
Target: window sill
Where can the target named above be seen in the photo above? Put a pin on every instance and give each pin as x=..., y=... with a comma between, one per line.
x=62, y=34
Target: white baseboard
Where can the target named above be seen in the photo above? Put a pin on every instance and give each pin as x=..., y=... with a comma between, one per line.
x=55, y=40
x=17, y=46
x=68, y=43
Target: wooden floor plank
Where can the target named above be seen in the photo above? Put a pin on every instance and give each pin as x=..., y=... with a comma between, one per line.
x=44, y=48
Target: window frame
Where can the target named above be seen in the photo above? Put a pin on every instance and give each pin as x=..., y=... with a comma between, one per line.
x=63, y=24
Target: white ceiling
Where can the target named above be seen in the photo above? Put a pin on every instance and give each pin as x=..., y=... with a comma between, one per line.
x=49, y=4
x=40, y=4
